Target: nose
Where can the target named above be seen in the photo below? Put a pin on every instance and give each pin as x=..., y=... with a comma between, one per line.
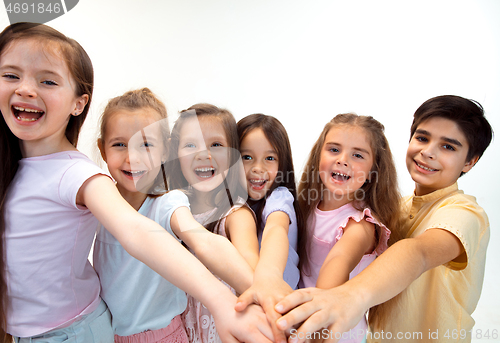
x=257, y=168
x=428, y=152
x=26, y=89
x=342, y=159
x=203, y=153
x=133, y=156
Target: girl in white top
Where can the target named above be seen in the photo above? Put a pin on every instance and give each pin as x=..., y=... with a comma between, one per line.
x=207, y=164
x=52, y=197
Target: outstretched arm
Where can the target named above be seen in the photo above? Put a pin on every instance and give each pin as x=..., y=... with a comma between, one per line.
x=241, y=229
x=358, y=239
x=150, y=243
x=214, y=251
x=269, y=287
x=341, y=308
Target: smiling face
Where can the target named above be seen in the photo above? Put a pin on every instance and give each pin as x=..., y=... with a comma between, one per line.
x=437, y=155
x=261, y=163
x=203, y=153
x=37, y=95
x=133, y=147
x=345, y=163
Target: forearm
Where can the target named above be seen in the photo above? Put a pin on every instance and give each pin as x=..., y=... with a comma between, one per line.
x=389, y=274
x=333, y=273
x=273, y=253
x=221, y=257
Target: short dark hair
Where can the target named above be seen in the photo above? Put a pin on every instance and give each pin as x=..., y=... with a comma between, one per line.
x=467, y=114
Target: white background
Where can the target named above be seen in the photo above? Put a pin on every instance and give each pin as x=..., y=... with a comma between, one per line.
x=304, y=63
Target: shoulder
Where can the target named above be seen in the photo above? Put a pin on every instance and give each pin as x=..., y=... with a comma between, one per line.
x=281, y=199
x=280, y=194
x=163, y=206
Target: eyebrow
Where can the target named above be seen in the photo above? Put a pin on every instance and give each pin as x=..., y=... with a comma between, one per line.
x=446, y=139
x=355, y=148
x=267, y=151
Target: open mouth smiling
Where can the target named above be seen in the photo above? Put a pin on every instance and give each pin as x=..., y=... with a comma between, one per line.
x=26, y=114
x=134, y=174
x=205, y=173
x=340, y=177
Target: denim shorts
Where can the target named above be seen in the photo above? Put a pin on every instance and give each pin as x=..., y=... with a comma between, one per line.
x=91, y=328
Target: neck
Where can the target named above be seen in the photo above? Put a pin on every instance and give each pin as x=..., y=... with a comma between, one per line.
x=135, y=199
x=45, y=147
x=330, y=201
x=200, y=202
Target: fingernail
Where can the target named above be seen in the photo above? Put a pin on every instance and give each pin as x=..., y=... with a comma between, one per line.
x=293, y=340
x=279, y=308
x=281, y=323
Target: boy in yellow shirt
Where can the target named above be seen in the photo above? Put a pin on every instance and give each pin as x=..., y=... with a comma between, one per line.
x=431, y=280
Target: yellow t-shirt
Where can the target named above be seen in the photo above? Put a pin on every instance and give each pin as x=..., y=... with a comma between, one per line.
x=437, y=306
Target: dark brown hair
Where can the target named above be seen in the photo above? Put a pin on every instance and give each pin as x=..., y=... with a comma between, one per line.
x=136, y=100
x=467, y=114
x=380, y=193
x=278, y=138
x=231, y=187
x=80, y=68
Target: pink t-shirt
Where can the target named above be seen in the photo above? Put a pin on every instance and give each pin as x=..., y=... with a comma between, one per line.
x=327, y=228
x=48, y=238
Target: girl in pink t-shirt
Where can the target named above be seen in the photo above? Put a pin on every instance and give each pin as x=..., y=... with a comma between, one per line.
x=48, y=289
x=347, y=191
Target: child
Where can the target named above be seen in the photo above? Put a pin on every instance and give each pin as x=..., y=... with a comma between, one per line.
x=348, y=189
x=53, y=196
x=133, y=141
x=267, y=159
x=434, y=276
x=206, y=162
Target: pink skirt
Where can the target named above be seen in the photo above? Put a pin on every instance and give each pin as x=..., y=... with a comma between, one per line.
x=173, y=333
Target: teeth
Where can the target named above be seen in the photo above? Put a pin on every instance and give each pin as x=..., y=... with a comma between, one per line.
x=257, y=181
x=340, y=174
x=425, y=168
x=18, y=108
x=204, y=170
x=26, y=119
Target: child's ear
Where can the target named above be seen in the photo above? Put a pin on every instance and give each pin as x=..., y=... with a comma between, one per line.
x=101, y=149
x=468, y=165
x=81, y=102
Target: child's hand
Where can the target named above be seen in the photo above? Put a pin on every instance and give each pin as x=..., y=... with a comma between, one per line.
x=267, y=292
x=336, y=309
x=250, y=325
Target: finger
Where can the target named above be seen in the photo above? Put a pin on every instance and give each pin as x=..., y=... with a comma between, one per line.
x=297, y=315
x=334, y=334
x=272, y=317
x=243, y=301
x=228, y=338
x=293, y=300
x=313, y=324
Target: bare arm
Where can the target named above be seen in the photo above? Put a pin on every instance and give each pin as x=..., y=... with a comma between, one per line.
x=357, y=240
x=269, y=287
x=147, y=241
x=216, y=252
x=242, y=231
x=342, y=307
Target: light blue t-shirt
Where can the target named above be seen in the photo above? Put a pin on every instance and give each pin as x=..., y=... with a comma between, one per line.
x=282, y=200
x=138, y=298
